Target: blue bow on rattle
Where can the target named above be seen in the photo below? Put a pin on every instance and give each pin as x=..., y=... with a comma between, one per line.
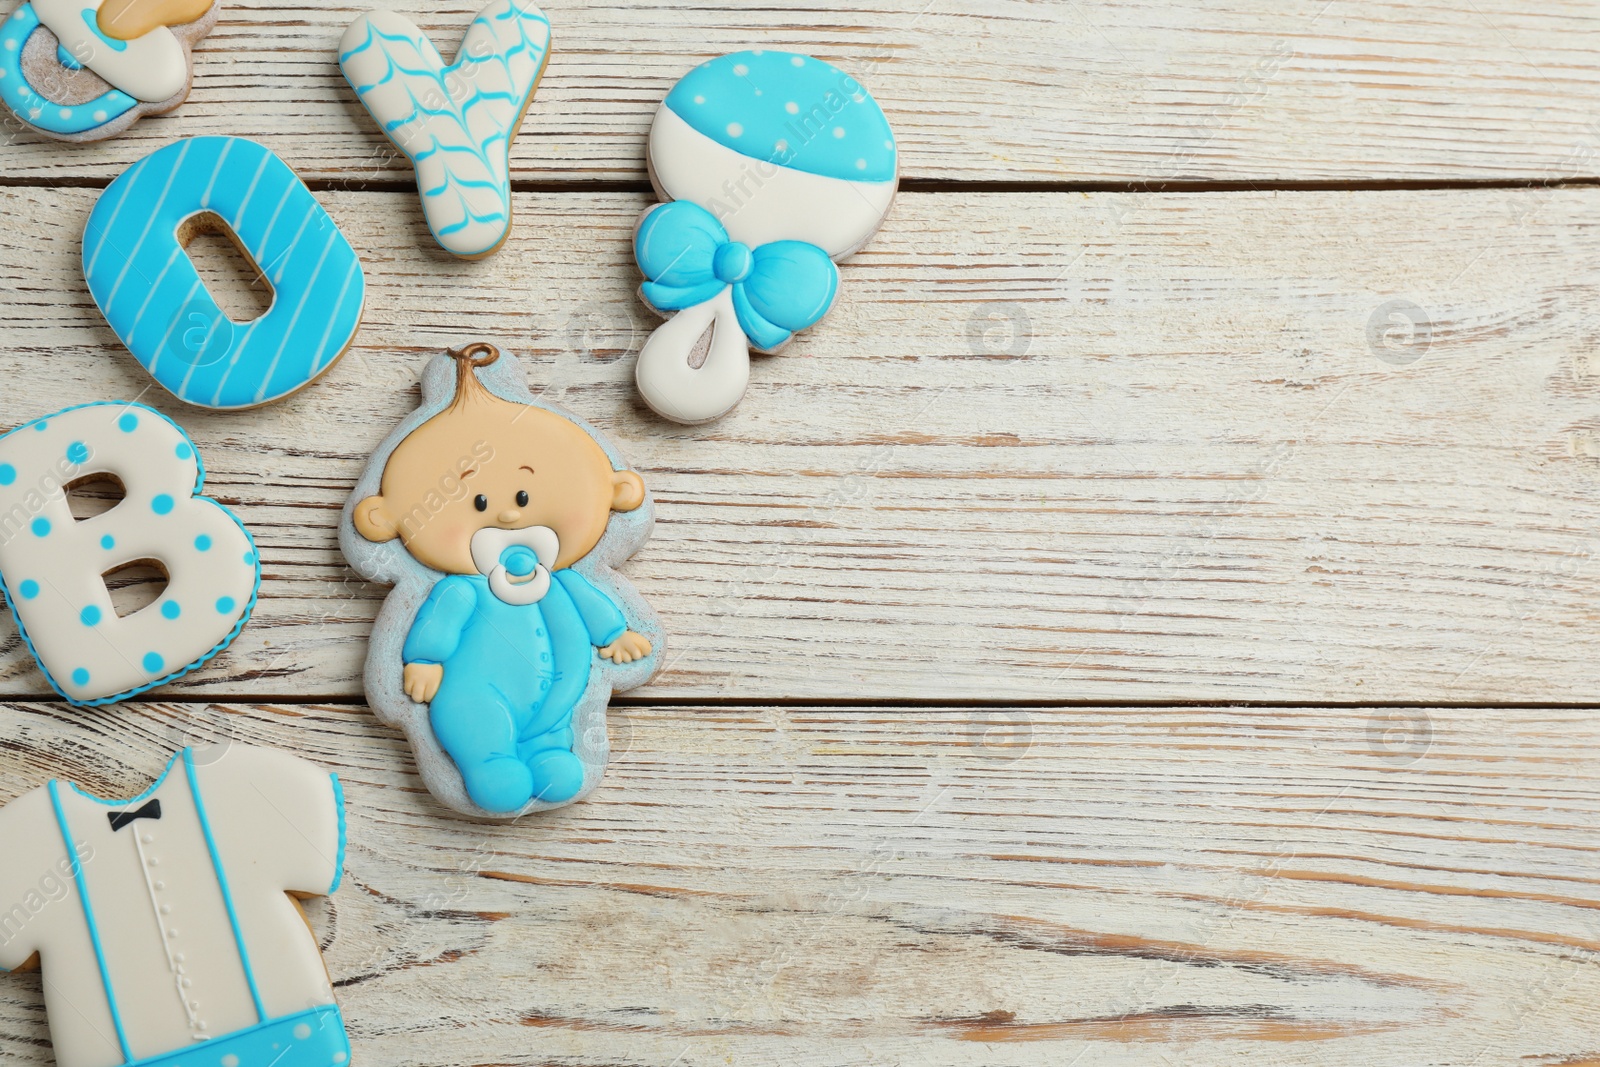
x=778, y=288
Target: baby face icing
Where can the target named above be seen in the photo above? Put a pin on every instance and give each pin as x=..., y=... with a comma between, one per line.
x=490, y=464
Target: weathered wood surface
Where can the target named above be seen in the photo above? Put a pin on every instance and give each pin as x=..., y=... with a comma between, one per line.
x=1111, y=446
x=1339, y=888
x=1303, y=90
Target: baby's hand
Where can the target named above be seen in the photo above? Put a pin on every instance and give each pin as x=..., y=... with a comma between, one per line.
x=625, y=649
x=422, y=680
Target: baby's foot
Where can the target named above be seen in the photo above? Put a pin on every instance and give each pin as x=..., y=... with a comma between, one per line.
x=557, y=775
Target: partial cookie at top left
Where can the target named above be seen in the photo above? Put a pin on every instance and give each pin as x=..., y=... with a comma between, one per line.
x=85, y=70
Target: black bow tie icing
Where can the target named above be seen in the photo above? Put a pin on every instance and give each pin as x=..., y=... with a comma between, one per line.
x=119, y=819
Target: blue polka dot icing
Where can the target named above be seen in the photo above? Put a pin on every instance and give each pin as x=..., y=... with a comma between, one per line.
x=8, y=474
x=224, y=604
x=791, y=110
x=183, y=451
x=53, y=570
x=152, y=662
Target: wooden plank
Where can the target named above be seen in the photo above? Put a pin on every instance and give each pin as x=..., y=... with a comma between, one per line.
x=1332, y=887
x=1047, y=447
x=1309, y=90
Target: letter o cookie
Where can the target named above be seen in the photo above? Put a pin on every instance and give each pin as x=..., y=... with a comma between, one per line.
x=151, y=294
x=52, y=565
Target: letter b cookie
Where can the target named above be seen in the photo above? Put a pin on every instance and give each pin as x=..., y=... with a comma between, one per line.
x=53, y=565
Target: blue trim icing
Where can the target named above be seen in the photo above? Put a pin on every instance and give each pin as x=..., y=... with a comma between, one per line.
x=141, y=798
x=338, y=862
x=199, y=484
x=88, y=919
x=222, y=882
x=314, y=1038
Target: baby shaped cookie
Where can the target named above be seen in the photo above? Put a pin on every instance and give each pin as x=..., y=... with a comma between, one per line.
x=85, y=70
x=499, y=520
x=167, y=926
x=775, y=165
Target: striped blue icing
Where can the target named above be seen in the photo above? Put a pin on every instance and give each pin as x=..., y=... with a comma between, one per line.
x=151, y=294
x=789, y=109
x=36, y=110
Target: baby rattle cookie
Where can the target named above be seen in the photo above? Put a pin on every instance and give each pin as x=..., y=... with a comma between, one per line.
x=774, y=165
x=149, y=291
x=499, y=520
x=85, y=70
x=167, y=925
x=53, y=566
x=456, y=123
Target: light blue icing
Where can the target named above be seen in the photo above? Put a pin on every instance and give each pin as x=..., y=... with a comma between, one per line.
x=250, y=559
x=88, y=920
x=513, y=673
x=152, y=295
x=338, y=859
x=222, y=881
x=791, y=110
x=36, y=110
x=314, y=1038
x=91, y=18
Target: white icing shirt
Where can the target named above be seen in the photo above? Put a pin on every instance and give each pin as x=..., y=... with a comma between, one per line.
x=163, y=924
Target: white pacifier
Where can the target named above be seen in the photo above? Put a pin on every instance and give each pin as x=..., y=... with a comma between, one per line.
x=516, y=562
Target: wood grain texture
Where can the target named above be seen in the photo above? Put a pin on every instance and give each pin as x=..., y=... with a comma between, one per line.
x=1304, y=90
x=1070, y=447
x=1340, y=888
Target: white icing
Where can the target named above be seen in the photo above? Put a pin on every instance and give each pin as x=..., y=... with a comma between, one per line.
x=759, y=201
x=683, y=393
x=457, y=122
x=488, y=546
x=174, y=972
x=52, y=565
x=151, y=68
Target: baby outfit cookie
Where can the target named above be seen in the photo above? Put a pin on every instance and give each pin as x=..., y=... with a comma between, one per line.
x=85, y=70
x=164, y=924
x=52, y=566
x=151, y=294
x=456, y=123
x=499, y=519
x=776, y=165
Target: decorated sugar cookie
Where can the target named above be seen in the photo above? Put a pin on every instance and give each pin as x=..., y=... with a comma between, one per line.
x=456, y=123
x=151, y=294
x=775, y=165
x=85, y=70
x=165, y=924
x=499, y=519
x=53, y=565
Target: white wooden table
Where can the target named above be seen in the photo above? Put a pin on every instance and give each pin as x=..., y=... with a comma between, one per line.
x=1150, y=621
